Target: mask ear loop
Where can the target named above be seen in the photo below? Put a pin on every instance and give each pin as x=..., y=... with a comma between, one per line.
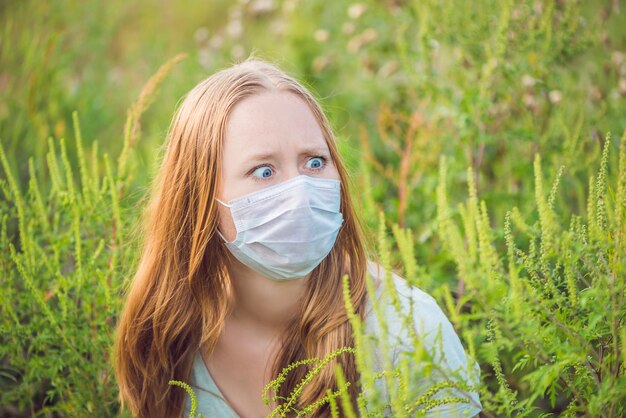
x=218, y=229
x=220, y=234
x=225, y=204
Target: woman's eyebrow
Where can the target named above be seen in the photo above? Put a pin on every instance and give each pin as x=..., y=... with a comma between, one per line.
x=315, y=151
x=264, y=156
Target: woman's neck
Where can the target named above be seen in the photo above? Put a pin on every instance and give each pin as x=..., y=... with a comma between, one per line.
x=264, y=304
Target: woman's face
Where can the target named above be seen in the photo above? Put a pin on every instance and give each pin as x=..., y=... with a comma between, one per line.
x=269, y=138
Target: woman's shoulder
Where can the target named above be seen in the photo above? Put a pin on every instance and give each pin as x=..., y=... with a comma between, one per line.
x=413, y=308
x=378, y=273
x=427, y=314
x=415, y=314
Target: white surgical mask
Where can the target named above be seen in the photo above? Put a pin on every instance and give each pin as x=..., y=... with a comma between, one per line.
x=284, y=231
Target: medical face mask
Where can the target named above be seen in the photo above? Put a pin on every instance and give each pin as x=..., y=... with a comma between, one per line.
x=284, y=231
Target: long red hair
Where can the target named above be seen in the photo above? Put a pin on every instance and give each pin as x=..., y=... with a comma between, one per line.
x=180, y=294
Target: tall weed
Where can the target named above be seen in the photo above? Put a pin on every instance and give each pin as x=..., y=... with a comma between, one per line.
x=67, y=250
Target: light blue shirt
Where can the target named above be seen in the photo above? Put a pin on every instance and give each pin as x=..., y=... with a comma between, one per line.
x=428, y=318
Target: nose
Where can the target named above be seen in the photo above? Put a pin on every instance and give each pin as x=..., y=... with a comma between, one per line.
x=293, y=171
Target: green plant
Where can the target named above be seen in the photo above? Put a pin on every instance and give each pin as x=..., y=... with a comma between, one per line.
x=63, y=268
x=554, y=312
x=192, y=396
x=530, y=277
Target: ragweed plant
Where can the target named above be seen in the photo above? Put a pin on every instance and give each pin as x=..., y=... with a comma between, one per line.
x=192, y=397
x=62, y=271
x=287, y=407
x=553, y=300
x=529, y=274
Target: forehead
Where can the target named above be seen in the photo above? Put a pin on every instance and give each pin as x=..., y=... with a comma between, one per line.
x=271, y=120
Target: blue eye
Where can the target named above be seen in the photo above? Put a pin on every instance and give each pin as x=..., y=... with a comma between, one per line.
x=262, y=172
x=316, y=163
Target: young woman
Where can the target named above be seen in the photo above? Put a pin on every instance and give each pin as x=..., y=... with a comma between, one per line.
x=249, y=232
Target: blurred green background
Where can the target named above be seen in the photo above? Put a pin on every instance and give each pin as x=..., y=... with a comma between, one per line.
x=487, y=83
x=491, y=81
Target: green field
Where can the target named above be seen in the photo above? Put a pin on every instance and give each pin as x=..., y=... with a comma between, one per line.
x=486, y=142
